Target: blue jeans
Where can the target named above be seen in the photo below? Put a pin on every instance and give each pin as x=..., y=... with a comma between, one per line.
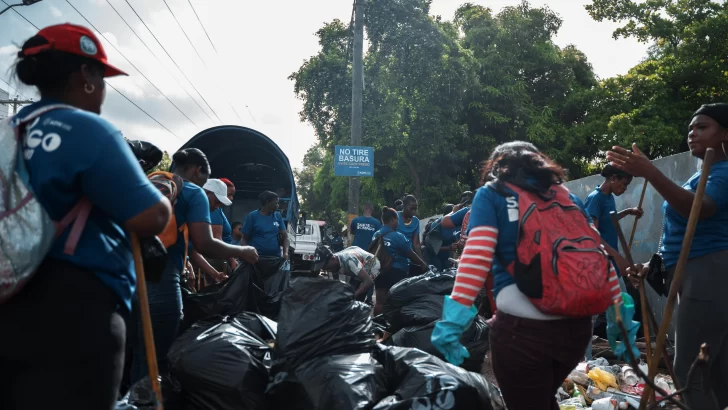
x=165, y=307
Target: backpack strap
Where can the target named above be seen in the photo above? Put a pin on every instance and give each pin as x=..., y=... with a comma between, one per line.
x=76, y=218
x=78, y=215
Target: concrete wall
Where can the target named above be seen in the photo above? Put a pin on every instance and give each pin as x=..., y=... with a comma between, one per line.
x=679, y=168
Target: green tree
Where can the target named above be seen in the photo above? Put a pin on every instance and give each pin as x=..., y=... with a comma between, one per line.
x=440, y=95
x=164, y=164
x=686, y=67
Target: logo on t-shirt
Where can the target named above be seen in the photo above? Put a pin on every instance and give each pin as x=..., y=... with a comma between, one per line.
x=36, y=137
x=365, y=227
x=512, y=208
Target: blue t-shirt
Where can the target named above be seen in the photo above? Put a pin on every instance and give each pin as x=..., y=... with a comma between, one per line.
x=493, y=209
x=217, y=217
x=411, y=230
x=192, y=206
x=71, y=154
x=711, y=234
x=263, y=232
x=363, y=228
x=397, y=245
x=458, y=217
x=598, y=206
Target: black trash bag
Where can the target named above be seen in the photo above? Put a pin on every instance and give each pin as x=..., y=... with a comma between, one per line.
x=319, y=317
x=154, y=258
x=219, y=364
x=148, y=155
x=475, y=339
x=271, y=276
x=409, y=290
x=233, y=296
x=341, y=382
x=418, y=380
x=421, y=311
x=141, y=396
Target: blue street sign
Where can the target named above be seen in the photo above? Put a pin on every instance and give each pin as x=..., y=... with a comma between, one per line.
x=353, y=161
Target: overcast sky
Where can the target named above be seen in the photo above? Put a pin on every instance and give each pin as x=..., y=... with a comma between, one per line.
x=259, y=44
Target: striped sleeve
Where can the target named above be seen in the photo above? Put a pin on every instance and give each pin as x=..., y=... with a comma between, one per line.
x=475, y=264
x=614, y=285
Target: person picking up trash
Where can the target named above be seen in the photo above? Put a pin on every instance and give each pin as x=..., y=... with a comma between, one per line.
x=395, y=254
x=526, y=228
x=360, y=265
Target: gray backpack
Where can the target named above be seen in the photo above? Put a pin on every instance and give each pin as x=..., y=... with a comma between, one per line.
x=26, y=230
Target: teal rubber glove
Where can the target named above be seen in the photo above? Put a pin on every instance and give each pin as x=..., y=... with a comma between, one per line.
x=456, y=318
x=614, y=335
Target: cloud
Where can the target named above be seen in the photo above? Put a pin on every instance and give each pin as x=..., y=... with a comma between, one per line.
x=56, y=12
x=8, y=50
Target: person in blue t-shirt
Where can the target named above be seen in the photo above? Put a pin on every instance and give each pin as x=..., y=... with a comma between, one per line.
x=400, y=248
x=409, y=226
x=702, y=315
x=600, y=203
x=363, y=227
x=84, y=294
x=219, y=194
x=191, y=210
x=237, y=228
x=263, y=228
x=441, y=258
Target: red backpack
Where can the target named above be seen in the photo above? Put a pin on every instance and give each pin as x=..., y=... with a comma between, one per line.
x=560, y=265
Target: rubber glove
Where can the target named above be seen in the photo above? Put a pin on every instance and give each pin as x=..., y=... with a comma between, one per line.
x=456, y=318
x=614, y=335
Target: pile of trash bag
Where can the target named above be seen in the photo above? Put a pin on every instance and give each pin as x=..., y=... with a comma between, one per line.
x=233, y=296
x=251, y=288
x=475, y=339
x=325, y=357
x=415, y=305
x=319, y=317
x=417, y=380
x=405, y=294
x=271, y=276
x=223, y=362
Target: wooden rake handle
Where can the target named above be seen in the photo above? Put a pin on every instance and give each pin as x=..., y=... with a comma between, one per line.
x=679, y=271
x=146, y=320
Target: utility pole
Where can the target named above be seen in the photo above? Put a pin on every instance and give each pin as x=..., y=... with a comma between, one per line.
x=15, y=102
x=357, y=88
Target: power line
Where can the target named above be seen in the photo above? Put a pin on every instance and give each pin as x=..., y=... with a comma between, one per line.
x=203, y=27
x=158, y=60
x=132, y=64
x=173, y=61
x=10, y=87
x=18, y=13
x=142, y=110
x=195, y=48
x=112, y=87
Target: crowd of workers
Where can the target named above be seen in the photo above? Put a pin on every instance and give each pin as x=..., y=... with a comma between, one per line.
x=65, y=332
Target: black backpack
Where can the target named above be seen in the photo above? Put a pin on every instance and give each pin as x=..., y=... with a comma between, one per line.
x=380, y=252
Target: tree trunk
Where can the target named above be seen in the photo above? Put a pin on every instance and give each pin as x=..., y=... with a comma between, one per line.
x=415, y=177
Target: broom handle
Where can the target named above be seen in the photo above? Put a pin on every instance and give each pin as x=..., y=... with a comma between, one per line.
x=634, y=227
x=643, y=296
x=146, y=320
x=679, y=271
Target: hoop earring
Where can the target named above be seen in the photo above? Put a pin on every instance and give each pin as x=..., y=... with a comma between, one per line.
x=89, y=88
x=722, y=146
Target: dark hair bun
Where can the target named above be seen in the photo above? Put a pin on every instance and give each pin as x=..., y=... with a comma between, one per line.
x=180, y=157
x=27, y=71
x=384, y=209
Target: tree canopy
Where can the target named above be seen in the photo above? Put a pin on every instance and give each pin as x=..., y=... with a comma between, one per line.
x=440, y=95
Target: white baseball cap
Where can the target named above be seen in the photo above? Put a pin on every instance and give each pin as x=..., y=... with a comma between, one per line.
x=218, y=188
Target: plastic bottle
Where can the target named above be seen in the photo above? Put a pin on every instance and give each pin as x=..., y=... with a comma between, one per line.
x=628, y=376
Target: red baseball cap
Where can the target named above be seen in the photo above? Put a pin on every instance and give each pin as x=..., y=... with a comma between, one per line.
x=73, y=39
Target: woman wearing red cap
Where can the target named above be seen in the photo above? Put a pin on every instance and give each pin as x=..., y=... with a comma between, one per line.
x=63, y=334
